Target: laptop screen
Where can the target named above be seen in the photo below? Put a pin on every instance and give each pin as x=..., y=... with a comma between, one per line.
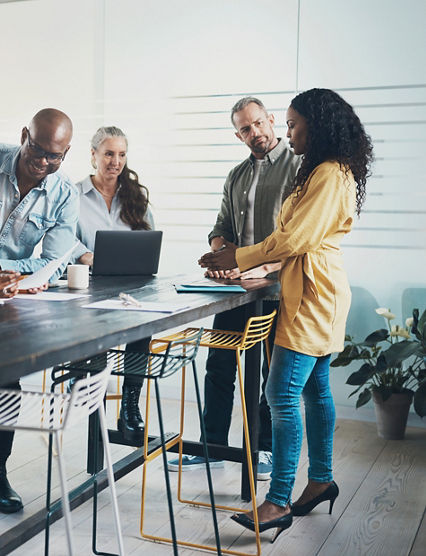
x=126, y=252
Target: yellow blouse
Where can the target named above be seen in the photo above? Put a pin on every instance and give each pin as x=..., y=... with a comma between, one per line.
x=315, y=294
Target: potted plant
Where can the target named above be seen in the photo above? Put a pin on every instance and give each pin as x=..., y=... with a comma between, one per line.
x=393, y=371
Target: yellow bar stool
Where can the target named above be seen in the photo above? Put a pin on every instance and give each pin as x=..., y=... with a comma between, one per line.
x=257, y=329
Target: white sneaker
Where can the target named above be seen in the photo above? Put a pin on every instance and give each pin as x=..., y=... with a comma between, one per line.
x=264, y=466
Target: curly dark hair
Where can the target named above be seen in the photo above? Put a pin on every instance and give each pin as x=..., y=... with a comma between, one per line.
x=334, y=133
x=133, y=196
x=134, y=199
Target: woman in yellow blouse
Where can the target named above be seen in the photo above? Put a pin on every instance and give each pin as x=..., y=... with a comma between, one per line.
x=315, y=296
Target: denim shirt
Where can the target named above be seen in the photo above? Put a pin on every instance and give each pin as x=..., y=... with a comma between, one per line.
x=49, y=212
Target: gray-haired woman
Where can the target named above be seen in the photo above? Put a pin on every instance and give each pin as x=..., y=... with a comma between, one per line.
x=112, y=198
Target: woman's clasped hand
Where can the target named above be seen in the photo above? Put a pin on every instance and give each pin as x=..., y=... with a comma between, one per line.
x=222, y=259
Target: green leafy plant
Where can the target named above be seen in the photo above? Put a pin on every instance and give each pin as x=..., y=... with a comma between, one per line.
x=393, y=361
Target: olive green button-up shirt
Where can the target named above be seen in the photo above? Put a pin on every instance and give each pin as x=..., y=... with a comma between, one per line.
x=274, y=185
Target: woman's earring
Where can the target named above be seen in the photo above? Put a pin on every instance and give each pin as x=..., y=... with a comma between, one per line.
x=93, y=162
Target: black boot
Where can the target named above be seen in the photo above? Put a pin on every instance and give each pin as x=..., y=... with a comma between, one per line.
x=10, y=501
x=130, y=422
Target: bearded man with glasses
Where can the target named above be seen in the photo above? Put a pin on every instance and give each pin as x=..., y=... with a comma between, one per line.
x=37, y=203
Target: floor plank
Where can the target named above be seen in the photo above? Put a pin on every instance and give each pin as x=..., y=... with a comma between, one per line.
x=385, y=511
x=356, y=449
x=418, y=548
x=380, y=509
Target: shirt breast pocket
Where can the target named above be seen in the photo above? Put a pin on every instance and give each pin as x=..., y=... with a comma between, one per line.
x=34, y=229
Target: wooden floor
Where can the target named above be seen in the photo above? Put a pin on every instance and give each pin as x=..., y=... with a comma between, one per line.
x=380, y=510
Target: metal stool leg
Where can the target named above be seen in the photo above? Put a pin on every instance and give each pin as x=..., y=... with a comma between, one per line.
x=95, y=422
x=49, y=466
x=148, y=457
x=251, y=474
x=166, y=471
x=97, y=426
x=110, y=473
x=206, y=456
x=64, y=492
x=248, y=451
x=48, y=495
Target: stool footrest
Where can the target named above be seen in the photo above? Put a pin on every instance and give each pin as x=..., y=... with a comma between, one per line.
x=116, y=437
x=218, y=451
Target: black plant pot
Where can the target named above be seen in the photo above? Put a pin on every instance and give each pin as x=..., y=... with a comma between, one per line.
x=392, y=414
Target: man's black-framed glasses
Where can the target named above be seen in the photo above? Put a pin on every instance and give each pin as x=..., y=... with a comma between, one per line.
x=38, y=152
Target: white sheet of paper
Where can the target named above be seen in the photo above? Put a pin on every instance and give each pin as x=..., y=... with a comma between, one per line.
x=40, y=277
x=150, y=306
x=51, y=296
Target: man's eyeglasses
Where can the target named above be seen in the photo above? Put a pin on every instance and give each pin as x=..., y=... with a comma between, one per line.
x=38, y=152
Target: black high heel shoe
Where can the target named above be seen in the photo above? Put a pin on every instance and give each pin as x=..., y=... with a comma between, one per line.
x=281, y=523
x=331, y=493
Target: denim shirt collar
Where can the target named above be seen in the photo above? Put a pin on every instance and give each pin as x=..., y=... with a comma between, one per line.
x=9, y=168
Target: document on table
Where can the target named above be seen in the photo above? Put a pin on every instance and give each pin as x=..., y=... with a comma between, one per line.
x=51, y=296
x=154, y=307
x=40, y=277
x=206, y=285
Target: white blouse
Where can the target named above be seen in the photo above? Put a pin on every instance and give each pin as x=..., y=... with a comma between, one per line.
x=94, y=216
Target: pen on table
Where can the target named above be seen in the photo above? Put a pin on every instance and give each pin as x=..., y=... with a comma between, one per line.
x=127, y=299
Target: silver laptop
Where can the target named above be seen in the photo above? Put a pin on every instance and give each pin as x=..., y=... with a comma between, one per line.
x=125, y=253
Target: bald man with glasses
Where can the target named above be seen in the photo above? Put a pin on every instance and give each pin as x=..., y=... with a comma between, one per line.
x=37, y=204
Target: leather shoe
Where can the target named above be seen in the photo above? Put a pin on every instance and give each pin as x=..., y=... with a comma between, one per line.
x=281, y=523
x=331, y=493
x=10, y=501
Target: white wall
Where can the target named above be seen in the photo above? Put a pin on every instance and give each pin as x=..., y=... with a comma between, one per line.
x=168, y=74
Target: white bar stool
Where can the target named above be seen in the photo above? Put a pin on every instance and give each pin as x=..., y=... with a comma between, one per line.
x=52, y=413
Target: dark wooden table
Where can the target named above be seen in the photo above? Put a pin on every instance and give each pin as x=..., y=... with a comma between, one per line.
x=38, y=334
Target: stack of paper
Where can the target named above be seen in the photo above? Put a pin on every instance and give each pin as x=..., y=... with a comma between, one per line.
x=155, y=307
x=40, y=277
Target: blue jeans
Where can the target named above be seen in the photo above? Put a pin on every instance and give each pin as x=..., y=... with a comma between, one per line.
x=293, y=374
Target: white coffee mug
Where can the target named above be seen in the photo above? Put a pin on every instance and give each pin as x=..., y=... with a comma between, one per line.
x=78, y=276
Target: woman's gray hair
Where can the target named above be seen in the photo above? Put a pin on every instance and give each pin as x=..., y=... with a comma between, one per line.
x=106, y=133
